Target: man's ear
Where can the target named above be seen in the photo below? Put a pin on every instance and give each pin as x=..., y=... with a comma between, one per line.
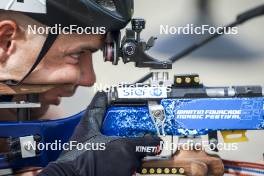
x=8, y=31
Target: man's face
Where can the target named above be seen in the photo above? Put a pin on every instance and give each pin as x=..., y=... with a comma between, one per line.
x=69, y=61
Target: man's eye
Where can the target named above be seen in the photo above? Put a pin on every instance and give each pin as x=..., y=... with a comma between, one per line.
x=77, y=55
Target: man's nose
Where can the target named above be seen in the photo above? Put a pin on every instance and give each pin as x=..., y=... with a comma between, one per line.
x=87, y=75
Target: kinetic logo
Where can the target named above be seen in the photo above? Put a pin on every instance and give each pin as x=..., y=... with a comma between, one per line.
x=147, y=149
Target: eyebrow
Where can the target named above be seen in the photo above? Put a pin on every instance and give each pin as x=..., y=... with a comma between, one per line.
x=92, y=49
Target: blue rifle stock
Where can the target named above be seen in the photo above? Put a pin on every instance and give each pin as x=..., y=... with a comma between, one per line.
x=188, y=111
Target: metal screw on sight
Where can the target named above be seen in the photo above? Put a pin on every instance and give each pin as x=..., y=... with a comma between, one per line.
x=138, y=24
x=157, y=113
x=129, y=49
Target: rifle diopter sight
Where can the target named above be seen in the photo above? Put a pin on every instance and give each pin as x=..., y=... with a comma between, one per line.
x=132, y=48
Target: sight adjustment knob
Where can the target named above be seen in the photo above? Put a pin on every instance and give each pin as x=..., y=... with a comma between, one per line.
x=138, y=24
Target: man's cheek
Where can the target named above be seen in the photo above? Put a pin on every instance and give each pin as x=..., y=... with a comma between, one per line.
x=67, y=74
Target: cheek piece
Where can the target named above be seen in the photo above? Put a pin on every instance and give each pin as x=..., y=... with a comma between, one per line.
x=46, y=46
